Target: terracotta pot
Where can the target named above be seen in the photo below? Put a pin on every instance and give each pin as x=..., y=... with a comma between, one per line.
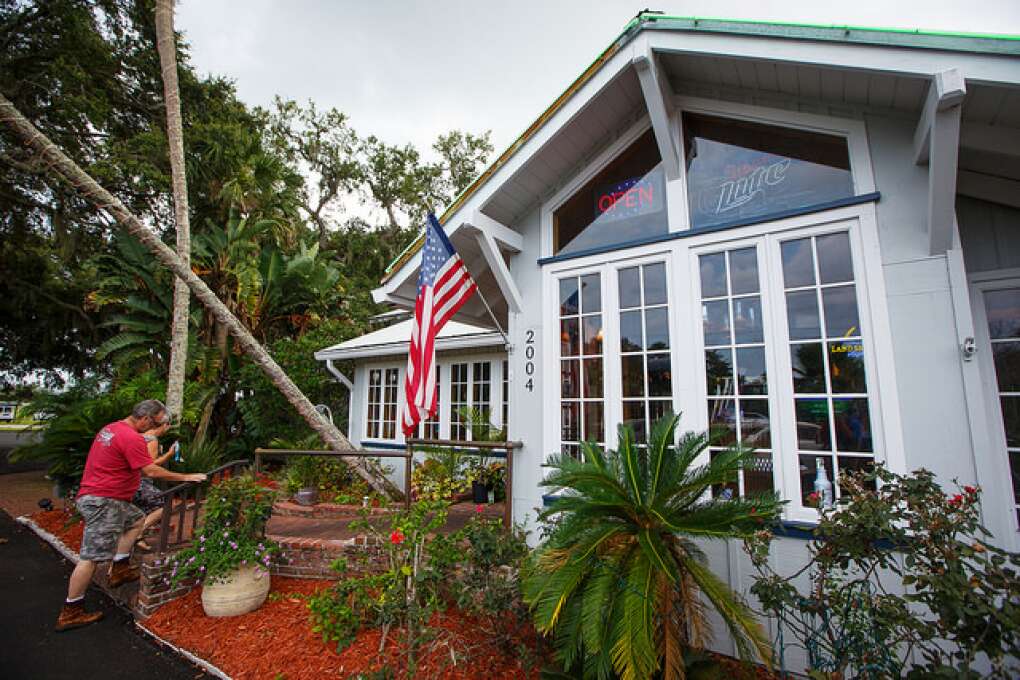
x=308, y=496
x=239, y=593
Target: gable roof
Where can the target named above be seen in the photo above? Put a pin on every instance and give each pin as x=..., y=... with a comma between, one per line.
x=981, y=43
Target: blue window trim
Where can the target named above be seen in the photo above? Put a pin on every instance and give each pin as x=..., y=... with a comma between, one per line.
x=794, y=212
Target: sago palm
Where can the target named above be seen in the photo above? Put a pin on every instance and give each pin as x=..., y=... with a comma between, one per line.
x=621, y=582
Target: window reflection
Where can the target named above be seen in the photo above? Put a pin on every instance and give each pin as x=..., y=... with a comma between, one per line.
x=738, y=170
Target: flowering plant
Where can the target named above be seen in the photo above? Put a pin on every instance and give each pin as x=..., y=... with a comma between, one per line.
x=232, y=533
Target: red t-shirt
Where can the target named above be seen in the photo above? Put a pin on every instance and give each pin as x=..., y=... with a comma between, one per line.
x=113, y=468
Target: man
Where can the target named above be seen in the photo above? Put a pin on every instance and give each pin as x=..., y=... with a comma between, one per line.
x=113, y=469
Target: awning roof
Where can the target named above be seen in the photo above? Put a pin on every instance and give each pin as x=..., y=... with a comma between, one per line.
x=394, y=340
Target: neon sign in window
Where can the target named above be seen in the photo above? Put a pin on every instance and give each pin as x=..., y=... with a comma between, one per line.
x=738, y=170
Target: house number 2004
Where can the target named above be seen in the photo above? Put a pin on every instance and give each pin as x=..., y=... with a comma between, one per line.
x=529, y=359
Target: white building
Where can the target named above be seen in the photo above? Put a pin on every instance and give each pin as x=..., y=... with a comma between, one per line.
x=809, y=237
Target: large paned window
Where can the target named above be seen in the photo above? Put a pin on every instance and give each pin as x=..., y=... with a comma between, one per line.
x=735, y=366
x=624, y=202
x=582, y=399
x=382, y=403
x=645, y=366
x=470, y=388
x=1003, y=310
x=785, y=357
x=830, y=389
x=505, y=421
x=738, y=170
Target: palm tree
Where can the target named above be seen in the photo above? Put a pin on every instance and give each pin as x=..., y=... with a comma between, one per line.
x=166, y=45
x=620, y=581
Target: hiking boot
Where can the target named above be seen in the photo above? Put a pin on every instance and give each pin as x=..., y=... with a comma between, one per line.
x=122, y=572
x=73, y=615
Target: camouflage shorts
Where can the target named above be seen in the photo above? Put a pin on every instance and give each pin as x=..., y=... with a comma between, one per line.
x=105, y=520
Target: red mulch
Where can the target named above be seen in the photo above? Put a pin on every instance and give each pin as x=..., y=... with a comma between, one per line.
x=64, y=525
x=240, y=646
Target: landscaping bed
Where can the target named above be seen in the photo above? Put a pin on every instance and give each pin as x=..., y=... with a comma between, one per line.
x=238, y=645
x=65, y=525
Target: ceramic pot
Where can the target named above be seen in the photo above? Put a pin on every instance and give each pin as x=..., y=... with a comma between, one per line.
x=307, y=496
x=241, y=592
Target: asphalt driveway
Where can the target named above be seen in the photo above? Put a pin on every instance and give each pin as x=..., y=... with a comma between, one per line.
x=33, y=582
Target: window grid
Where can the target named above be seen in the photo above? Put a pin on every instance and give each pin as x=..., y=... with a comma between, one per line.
x=730, y=395
x=651, y=406
x=429, y=428
x=458, y=400
x=382, y=403
x=582, y=397
x=1005, y=343
x=835, y=458
x=481, y=390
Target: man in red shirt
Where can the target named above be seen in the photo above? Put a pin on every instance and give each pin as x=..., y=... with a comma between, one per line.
x=117, y=460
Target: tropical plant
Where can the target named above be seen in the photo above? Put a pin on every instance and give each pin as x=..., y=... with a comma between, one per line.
x=232, y=533
x=619, y=580
x=201, y=456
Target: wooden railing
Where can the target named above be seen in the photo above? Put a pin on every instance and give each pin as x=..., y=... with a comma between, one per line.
x=187, y=498
x=476, y=448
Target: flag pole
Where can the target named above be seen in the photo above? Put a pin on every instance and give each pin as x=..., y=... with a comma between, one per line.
x=506, y=340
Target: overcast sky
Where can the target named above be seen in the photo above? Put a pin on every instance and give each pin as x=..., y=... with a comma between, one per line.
x=407, y=71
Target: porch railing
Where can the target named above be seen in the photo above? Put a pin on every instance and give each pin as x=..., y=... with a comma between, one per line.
x=186, y=499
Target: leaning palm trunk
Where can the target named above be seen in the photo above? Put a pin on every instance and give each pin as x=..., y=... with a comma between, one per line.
x=60, y=165
x=166, y=46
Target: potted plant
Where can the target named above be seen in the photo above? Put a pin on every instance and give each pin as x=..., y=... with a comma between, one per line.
x=303, y=479
x=230, y=554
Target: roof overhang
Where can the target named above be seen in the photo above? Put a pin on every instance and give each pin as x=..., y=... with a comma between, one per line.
x=365, y=348
x=884, y=70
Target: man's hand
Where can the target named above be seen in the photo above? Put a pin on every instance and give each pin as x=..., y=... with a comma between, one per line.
x=195, y=477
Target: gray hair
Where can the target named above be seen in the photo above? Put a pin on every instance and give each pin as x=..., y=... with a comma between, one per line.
x=149, y=408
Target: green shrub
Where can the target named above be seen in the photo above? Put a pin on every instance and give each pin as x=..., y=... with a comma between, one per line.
x=900, y=573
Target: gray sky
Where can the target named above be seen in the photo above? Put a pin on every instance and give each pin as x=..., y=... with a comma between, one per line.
x=408, y=71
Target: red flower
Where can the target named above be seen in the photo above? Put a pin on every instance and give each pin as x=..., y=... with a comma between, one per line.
x=396, y=538
x=956, y=500
x=479, y=509
x=970, y=490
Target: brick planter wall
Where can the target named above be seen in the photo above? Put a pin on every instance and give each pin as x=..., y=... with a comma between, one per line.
x=326, y=510
x=311, y=557
x=153, y=591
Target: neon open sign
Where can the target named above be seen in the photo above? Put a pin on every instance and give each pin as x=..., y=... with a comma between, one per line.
x=629, y=198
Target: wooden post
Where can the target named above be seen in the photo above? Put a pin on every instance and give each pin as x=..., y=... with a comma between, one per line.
x=508, y=516
x=408, y=464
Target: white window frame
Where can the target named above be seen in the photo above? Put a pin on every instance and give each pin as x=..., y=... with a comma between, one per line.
x=1001, y=494
x=398, y=431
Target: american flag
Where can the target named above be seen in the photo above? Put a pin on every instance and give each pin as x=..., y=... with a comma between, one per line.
x=444, y=285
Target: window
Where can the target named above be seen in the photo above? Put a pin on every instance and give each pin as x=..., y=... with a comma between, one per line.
x=582, y=407
x=382, y=403
x=624, y=202
x=785, y=362
x=1003, y=310
x=429, y=428
x=6, y=412
x=470, y=387
x=738, y=170
x=645, y=366
x=735, y=370
x=830, y=391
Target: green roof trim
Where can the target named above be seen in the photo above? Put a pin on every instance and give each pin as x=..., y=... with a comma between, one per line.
x=953, y=41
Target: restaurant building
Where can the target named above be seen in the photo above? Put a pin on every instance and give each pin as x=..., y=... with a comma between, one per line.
x=806, y=238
